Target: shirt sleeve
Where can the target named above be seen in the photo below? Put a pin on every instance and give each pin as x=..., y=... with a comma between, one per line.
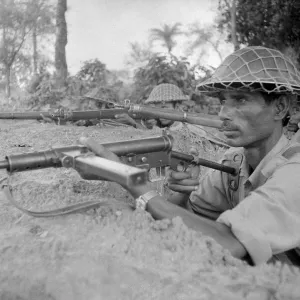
x=267, y=222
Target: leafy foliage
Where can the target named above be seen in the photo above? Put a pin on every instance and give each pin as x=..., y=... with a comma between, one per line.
x=163, y=69
x=139, y=54
x=105, y=84
x=18, y=20
x=93, y=73
x=166, y=35
x=270, y=23
x=203, y=38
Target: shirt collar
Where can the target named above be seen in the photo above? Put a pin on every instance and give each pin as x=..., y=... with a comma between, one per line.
x=268, y=164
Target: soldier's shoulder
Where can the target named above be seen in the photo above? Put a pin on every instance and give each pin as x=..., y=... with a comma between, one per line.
x=292, y=152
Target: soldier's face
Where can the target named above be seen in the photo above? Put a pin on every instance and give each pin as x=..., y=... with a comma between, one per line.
x=247, y=119
x=165, y=105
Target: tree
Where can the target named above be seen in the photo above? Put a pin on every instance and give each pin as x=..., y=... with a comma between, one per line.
x=166, y=35
x=16, y=24
x=230, y=7
x=60, y=44
x=43, y=24
x=93, y=73
x=270, y=23
x=139, y=55
x=208, y=35
x=163, y=69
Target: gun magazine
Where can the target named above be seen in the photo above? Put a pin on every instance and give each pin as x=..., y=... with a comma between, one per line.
x=74, y=208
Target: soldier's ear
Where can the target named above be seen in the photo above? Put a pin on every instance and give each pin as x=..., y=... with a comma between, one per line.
x=282, y=105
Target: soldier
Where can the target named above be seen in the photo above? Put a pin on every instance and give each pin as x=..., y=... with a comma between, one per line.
x=256, y=214
x=165, y=95
x=169, y=96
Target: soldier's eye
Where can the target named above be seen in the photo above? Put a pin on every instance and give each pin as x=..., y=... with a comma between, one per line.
x=240, y=99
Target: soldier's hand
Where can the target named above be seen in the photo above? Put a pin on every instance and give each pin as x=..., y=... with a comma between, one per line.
x=46, y=119
x=80, y=123
x=125, y=119
x=184, y=181
x=150, y=123
x=98, y=150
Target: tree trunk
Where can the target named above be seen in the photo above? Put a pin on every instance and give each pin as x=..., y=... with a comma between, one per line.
x=34, y=54
x=61, y=42
x=7, y=84
x=233, y=25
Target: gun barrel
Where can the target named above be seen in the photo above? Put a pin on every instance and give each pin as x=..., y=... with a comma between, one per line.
x=65, y=115
x=27, y=115
x=51, y=158
x=198, y=119
x=4, y=164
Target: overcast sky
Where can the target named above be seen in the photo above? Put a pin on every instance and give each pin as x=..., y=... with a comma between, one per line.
x=103, y=29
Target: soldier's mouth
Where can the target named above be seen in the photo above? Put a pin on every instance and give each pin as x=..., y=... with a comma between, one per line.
x=228, y=127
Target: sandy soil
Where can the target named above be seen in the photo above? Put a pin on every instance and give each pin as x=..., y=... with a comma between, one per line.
x=111, y=252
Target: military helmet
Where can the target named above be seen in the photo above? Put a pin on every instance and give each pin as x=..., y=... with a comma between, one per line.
x=254, y=69
x=166, y=92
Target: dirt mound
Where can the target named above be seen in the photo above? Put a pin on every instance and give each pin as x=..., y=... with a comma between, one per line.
x=111, y=252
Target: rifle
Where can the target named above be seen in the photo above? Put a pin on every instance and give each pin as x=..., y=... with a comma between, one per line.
x=137, y=157
x=134, y=111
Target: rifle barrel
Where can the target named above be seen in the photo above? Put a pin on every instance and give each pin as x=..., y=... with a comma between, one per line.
x=65, y=115
x=27, y=115
x=198, y=119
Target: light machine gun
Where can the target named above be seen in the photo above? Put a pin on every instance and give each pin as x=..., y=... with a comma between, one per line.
x=134, y=111
x=137, y=156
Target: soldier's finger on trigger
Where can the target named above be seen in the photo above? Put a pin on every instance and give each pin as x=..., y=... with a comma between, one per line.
x=185, y=182
x=180, y=188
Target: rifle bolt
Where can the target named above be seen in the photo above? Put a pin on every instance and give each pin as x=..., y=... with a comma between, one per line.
x=144, y=159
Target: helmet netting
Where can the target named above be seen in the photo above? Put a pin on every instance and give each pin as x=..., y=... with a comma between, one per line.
x=254, y=69
x=166, y=92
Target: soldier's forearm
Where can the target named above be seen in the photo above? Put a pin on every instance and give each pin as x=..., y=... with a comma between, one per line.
x=179, y=199
x=161, y=209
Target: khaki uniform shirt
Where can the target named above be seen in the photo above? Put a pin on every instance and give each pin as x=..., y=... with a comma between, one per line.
x=264, y=212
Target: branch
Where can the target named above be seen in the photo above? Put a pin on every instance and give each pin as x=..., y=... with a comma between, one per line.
x=19, y=47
